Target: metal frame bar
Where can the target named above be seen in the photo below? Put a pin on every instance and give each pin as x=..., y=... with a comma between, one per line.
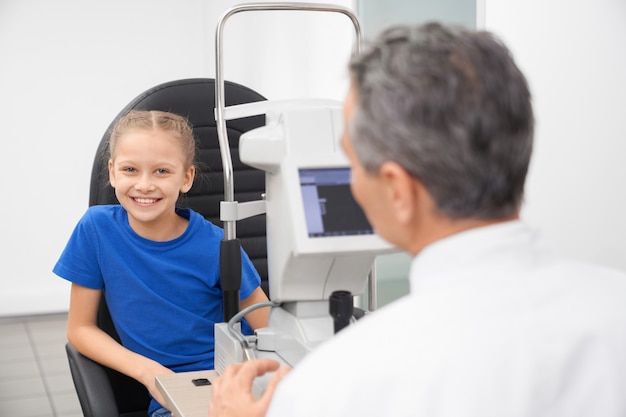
x=227, y=164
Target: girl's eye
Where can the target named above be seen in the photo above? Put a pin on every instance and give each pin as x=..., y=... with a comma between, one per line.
x=130, y=169
x=162, y=171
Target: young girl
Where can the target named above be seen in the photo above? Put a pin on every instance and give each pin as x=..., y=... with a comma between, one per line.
x=157, y=264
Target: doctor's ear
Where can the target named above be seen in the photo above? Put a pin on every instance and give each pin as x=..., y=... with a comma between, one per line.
x=401, y=191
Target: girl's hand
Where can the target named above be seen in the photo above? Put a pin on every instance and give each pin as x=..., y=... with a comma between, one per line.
x=148, y=379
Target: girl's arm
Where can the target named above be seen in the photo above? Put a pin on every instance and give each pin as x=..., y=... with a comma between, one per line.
x=257, y=318
x=93, y=342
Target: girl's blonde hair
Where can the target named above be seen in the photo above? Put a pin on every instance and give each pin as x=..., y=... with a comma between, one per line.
x=167, y=122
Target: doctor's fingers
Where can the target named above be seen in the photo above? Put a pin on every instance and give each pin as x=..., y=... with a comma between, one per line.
x=273, y=383
x=249, y=370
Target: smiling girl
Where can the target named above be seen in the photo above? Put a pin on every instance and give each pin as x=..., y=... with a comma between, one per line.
x=157, y=264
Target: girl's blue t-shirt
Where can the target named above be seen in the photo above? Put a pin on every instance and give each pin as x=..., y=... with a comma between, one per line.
x=164, y=297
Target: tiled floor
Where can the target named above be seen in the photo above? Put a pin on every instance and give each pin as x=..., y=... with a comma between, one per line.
x=35, y=378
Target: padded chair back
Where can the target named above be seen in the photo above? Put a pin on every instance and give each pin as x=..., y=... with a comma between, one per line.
x=194, y=99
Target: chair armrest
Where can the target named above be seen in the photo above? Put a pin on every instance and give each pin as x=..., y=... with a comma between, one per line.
x=92, y=385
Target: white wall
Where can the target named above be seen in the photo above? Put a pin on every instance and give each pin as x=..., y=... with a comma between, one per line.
x=67, y=68
x=572, y=52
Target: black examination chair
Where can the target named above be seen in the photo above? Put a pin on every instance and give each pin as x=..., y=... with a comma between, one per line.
x=101, y=391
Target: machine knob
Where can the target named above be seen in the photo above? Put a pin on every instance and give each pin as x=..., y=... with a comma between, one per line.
x=341, y=304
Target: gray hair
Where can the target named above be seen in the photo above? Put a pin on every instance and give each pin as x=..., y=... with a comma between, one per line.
x=451, y=107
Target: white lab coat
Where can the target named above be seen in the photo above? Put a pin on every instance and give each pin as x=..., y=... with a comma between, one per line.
x=495, y=326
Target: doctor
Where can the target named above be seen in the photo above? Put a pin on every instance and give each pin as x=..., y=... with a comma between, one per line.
x=439, y=131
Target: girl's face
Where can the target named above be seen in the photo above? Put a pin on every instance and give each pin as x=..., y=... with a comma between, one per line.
x=148, y=172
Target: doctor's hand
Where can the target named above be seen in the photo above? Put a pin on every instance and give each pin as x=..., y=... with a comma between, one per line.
x=232, y=392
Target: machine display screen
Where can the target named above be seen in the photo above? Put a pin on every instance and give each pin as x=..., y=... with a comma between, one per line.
x=329, y=207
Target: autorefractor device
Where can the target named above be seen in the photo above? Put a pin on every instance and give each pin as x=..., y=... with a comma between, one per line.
x=321, y=249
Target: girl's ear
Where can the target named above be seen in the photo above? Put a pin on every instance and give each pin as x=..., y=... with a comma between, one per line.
x=111, y=174
x=188, y=182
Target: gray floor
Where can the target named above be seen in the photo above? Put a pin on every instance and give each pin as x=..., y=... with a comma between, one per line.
x=35, y=379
